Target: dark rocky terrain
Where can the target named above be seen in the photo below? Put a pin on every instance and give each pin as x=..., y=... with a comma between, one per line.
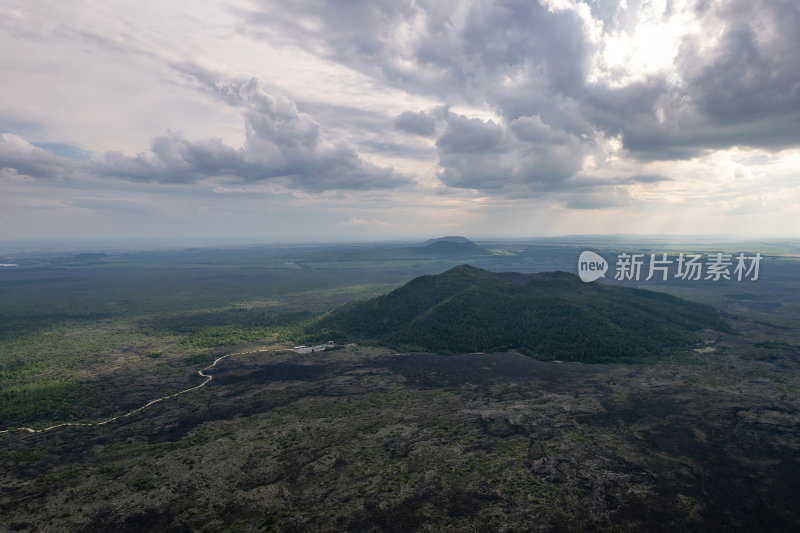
x=366, y=440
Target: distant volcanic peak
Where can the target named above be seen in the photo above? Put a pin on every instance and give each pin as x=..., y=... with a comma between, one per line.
x=450, y=238
x=451, y=245
x=453, y=249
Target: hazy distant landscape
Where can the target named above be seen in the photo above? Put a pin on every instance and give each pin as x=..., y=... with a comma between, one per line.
x=361, y=437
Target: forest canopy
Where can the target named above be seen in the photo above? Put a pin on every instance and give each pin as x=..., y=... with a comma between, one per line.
x=550, y=316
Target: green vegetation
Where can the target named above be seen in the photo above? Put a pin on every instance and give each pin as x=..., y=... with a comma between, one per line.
x=44, y=397
x=359, y=439
x=151, y=318
x=548, y=315
x=142, y=323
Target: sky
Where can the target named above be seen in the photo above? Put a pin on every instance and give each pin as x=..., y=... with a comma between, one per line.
x=333, y=120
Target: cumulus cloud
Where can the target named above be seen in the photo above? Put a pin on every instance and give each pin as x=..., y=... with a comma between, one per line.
x=283, y=145
x=418, y=123
x=752, y=72
x=738, y=84
x=524, y=159
x=464, y=135
x=449, y=48
x=20, y=157
x=525, y=60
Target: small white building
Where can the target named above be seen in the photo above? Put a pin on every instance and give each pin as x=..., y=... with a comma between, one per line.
x=311, y=349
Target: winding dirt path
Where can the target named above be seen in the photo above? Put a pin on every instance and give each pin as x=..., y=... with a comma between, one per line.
x=201, y=372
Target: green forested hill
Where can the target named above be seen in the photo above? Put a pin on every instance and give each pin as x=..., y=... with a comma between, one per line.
x=551, y=315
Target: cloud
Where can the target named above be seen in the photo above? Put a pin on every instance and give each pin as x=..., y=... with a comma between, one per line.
x=363, y=222
x=738, y=84
x=23, y=158
x=525, y=159
x=418, y=123
x=471, y=135
x=447, y=48
x=21, y=127
x=64, y=150
x=600, y=198
x=283, y=145
x=753, y=70
x=545, y=59
x=648, y=178
x=578, y=104
x=526, y=61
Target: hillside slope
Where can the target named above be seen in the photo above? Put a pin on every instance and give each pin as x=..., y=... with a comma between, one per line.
x=551, y=315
